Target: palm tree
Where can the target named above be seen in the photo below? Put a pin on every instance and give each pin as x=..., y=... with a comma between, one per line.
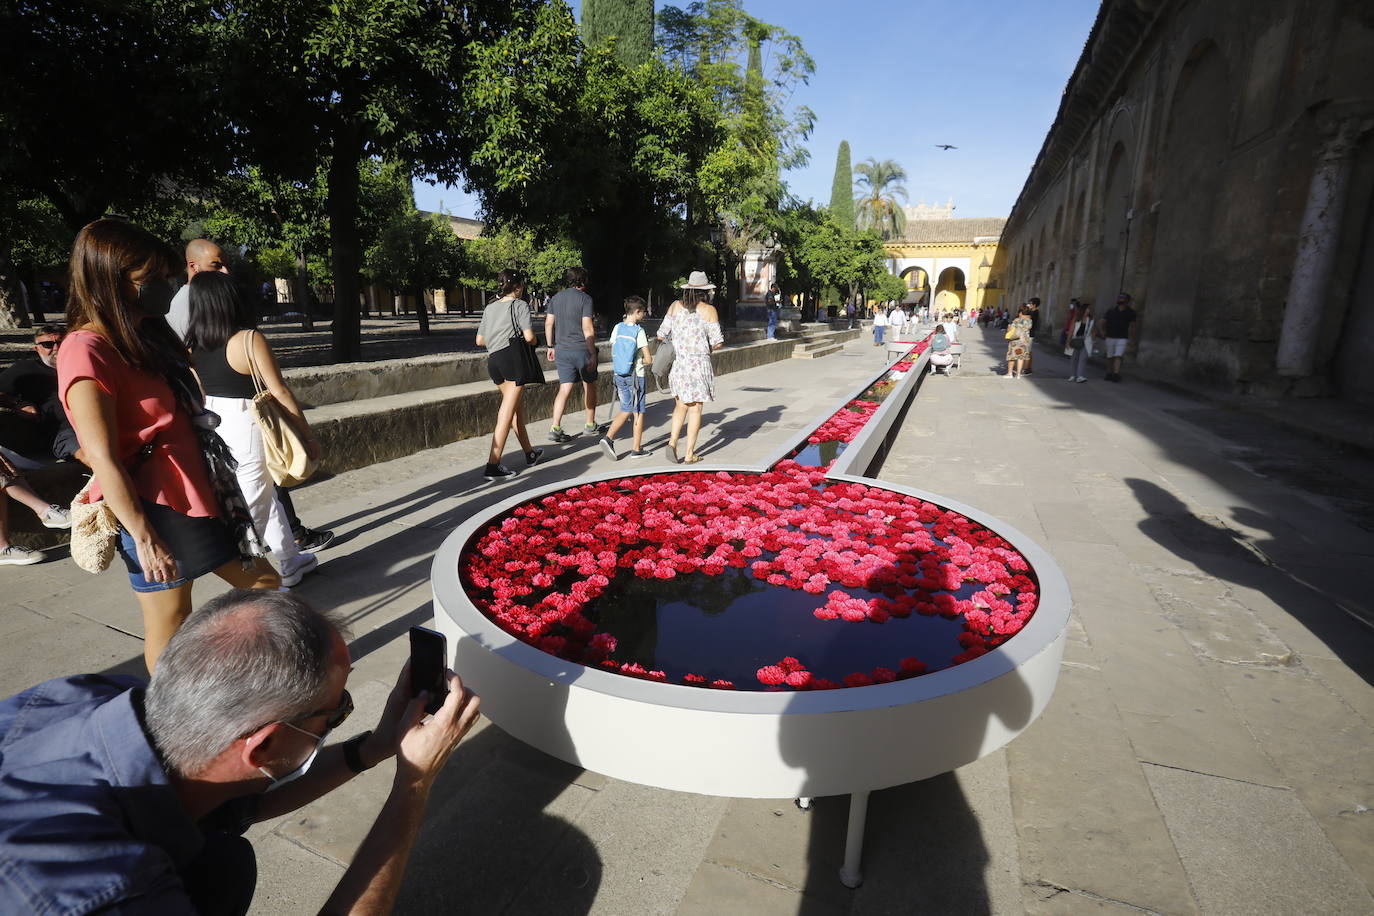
x=877, y=207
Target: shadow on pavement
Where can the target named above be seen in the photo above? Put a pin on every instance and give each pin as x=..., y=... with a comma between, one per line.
x=1227, y=556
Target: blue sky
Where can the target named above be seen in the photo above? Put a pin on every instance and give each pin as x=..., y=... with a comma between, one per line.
x=896, y=77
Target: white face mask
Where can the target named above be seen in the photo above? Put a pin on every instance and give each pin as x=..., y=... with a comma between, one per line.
x=298, y=772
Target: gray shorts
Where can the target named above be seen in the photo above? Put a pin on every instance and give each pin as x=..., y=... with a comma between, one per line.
x=572, y=366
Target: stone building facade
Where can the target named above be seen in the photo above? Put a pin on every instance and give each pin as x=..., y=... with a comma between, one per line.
x=948, y=263
x=1215, y=159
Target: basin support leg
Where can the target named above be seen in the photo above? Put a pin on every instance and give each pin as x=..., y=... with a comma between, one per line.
x=850, y=876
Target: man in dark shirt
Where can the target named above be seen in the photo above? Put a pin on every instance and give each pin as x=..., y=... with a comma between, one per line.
x=1034, y=303
x=1118, y=328
x=29, y=387
x=570, y=335
x=770, y=302
x=130, y=799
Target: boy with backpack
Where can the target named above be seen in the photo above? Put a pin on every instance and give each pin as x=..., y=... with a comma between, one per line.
x=629, y=354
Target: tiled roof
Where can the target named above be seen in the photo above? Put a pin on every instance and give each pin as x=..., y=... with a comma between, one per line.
x=929, y=231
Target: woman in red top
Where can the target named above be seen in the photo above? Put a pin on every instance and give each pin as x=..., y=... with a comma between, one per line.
x=113, y=376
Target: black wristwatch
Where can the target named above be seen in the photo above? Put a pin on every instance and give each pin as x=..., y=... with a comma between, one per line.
x=353, y=752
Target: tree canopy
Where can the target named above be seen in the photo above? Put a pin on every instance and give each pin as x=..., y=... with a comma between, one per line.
x=878, y=204
x=629, y=22
x=841, y=189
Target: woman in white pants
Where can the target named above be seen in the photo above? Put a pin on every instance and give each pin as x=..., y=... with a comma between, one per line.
x=222, y=342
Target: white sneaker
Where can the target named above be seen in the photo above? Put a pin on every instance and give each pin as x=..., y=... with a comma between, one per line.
x=56, y=517
x=14, y=555
x=294, y=570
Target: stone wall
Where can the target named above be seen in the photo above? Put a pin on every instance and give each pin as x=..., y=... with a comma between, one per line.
x=1214, y=159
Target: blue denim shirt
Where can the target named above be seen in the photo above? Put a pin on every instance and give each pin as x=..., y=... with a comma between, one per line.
x=88, y=818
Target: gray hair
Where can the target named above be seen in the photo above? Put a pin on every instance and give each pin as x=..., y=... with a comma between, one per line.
x=245, y=659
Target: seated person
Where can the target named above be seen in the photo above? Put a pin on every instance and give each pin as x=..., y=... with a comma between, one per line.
x=29, y=387
x=130, y=798
x=13, y=486
x=940, y=354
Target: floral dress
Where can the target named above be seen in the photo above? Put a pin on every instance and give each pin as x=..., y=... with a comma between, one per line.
x=1019, y=347
x=692, y=379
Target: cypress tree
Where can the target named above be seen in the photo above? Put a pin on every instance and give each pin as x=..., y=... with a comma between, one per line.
x=630, y=21
x=842, y=190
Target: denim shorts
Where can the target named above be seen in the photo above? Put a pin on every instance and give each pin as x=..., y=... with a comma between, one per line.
x=199, y=545
x=632, y=391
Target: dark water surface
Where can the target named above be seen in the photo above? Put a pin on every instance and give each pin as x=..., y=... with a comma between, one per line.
x=728, y=626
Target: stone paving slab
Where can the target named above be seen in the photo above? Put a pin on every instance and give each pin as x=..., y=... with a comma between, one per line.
x=1253, y=849
x=1172, y=754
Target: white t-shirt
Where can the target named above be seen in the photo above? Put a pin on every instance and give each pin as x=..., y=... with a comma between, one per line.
x=880, y=319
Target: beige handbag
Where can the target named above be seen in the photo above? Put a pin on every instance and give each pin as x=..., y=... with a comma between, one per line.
x=95, y=531
x=282, y=444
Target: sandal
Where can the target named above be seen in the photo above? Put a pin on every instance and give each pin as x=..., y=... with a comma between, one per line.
x=692, y=459
x=672, y=453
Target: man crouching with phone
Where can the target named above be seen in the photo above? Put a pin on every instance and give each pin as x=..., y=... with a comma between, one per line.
x=134, y=799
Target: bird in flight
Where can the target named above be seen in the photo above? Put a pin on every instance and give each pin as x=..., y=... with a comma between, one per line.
x=945, y=146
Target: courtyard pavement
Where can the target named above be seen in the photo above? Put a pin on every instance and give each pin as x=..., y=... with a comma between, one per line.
x=1208, y=748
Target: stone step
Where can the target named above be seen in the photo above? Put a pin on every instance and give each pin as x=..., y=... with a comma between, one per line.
x=817, y=352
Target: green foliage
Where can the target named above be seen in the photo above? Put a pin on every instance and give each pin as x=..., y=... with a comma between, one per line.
x=828, y=254
x=38, y=238
x=629, y=22
x=841, y=189
x=505, y=248
x=471, y=89
x=887, y=286
x=723, y=48
x=415, y=252
x=108, y=104
x=878, y=206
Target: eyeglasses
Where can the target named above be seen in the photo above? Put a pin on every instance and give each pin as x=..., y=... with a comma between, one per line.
x=47, y=344
x=337, y=716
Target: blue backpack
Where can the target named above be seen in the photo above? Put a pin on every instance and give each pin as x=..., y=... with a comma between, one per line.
x=624, y=347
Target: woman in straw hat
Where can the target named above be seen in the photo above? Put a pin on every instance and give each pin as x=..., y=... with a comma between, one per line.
x=694, y=329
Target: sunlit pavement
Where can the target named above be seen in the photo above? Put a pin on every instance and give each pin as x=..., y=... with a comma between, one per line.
x=1208, y=748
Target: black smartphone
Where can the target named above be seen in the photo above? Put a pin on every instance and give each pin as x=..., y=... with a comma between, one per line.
x=428, y=660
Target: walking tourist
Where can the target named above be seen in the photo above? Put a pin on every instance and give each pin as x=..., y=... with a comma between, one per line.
x=115, y=796
x=1034, y=304
x=504, y=328
x=1018, y=342
x=124, y=380
x=571, y=337
x=1118, y=328
x=629, y=356
x=879, y=325
x=202, y=255
x=1078, y=344
x=694, y=329
x=227, y=353
x=13, y=486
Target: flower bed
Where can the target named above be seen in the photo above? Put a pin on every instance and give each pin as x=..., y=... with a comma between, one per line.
x=607, y=573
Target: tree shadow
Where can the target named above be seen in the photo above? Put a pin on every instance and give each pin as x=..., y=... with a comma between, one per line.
x=1313, y=532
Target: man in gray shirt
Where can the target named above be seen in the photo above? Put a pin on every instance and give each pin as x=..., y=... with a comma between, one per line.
x=201, y=254
x=571, y=338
